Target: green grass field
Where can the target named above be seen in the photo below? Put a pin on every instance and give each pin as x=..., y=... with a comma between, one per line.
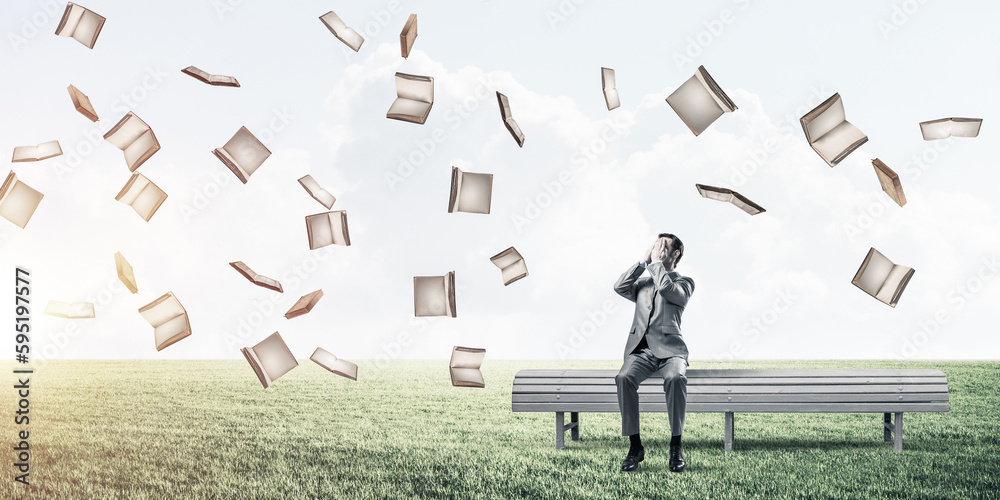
x=206, y=429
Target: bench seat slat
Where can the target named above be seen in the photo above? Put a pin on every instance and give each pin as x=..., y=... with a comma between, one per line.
x=832, y=372
x=721, y=389
x=737, y=398
x=740, y=381
x=741, y=407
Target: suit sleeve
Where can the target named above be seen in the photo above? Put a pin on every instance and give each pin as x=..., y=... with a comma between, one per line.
x=676, y=291
x=625, y=286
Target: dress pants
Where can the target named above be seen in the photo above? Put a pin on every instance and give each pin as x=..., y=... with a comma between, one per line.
x=639, y=366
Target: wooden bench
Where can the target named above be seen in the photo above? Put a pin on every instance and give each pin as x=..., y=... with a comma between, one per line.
x=732, y=391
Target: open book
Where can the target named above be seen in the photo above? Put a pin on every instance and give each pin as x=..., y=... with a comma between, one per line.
x=76, y=310
x=414, y=98
x=243, y=154
x=950, y=127
x=610, y=91
x=134, y=138
x=470, y=192
x=80, y=23
x=317, y=192
x=270, y=359
x=408, y=35
x=304, y=304
x=257, y=279
x=328, y=228
x=341, y=367
x=206, y=77
x=125, y=274
x=434, y=295
x=340, y=30
x=729, y=196
x=464, y=367
x=829, y=133
x=508, y=120
x=18, y=200
x=168, y=318
x=511, y=264
x=142, y=195
x=82, y=103
x=889, y=181
x=700, y=101
x=42, y=151
x=881, y=278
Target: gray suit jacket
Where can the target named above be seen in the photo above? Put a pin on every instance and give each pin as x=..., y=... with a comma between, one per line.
x=659, y=301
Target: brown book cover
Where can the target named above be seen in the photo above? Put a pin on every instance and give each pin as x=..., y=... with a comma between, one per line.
x=82, y=103
x=889, y=181
x=125, y=273
x=408, y=35
x=304, y=304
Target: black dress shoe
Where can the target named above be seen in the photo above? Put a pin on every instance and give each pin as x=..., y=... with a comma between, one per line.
x=677, y=463
x=631, y=461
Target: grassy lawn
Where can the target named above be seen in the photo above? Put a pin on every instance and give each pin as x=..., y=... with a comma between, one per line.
x=206, y=429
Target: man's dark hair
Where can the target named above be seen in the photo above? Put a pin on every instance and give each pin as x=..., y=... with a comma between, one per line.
x=675, y=244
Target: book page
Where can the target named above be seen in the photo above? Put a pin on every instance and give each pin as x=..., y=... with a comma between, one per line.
x=824, y=118
x=88, y=27
x=140, y=149
x=148, y=201
x=415, y=87
x=892, y=281
x=317, y=192
x=467, y=377
x=274, y=356
x=429, y=296
x=695, y=105
x=246, y=151
x=162, y=310
x=18, y=201
x=126, y=131
x=506, y=258
x=409, y=107
x=467, y=357
x=838, y=141
x=171, y=331
x=874, y=274
x=514, y=272
x=475, y=193
x=75, y=310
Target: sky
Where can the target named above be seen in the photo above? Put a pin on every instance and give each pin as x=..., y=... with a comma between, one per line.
x=581, y=201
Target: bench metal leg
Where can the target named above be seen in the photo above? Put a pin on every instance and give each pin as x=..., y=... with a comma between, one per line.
x=896, y=429
x=562, y=427
x=729, y=431
x=897, y=432
x=887, y=423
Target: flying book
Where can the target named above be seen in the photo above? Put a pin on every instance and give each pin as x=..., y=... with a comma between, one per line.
x=610, y=92
x=134, y=138
x=889, y=181
x=511, y=264
x=82, y=103
x=125, y=274
x=168, y=318
x=18, y=200
x=243, y=154
x=142, y=195
x=434, y=295
x=470, y=192
x=508, y=120
x=829, y=133
x=304, y=304
x=950, y=127
x=76, y=310
x=270, y=359
x=414, y=98
x=464, y=367
x=881, y=278
x=206, y=77
x=408, y=35
x=340, y=30
x=42, y=151
x=328, y=228
x=317, y=192
x=700, y=101
x=80, y=23
x=257, y=279
x=341, y=367
x=729, y=196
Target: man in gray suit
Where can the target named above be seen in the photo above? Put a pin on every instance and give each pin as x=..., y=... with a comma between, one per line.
x=655, y=343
